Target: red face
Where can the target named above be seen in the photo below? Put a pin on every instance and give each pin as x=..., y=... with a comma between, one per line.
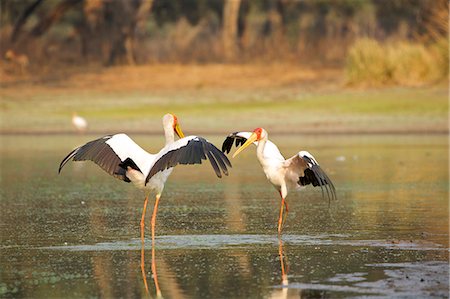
x=175, y=121
x=258, y=132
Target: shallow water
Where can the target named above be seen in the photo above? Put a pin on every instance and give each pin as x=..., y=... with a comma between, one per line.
x=76, y=235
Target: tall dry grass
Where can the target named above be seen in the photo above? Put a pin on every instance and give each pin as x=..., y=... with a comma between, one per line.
x=372, y=63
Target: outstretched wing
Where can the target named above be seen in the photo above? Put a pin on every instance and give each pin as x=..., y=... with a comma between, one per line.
x=238, y=137
x=189, y=150
x=305, y=167
x=113, y=153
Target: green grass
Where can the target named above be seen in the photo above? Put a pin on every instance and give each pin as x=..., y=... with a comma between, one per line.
x=225, y=110
x=400, y=101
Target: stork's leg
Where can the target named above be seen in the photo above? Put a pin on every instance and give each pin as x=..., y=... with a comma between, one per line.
x=280, y=219
x=155, y=276
x=155, y=210
x=143, y=218
x=285, y=214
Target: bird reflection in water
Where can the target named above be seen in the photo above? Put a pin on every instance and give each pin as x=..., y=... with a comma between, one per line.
x=284, y=279
x=154, y=273
x=278, y=293
x=283, y=291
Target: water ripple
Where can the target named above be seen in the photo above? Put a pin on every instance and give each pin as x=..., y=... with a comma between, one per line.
x=222, y=241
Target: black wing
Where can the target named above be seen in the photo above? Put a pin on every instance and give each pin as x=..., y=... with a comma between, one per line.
x=314, y=174
x=228, y=142
x=193, y=152
x=103, y=155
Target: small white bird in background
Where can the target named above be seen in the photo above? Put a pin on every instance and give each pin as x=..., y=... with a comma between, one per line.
x=80, y=123
x=300, y=170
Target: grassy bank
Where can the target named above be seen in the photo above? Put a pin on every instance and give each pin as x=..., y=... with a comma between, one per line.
x=218, y=99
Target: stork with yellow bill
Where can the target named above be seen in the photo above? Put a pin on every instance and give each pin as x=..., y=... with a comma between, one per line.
x=300, y=170
x=122, y=158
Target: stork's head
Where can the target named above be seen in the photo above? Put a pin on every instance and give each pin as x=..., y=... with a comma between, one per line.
x=170, y=120
x=260, y=133
x=257, y=135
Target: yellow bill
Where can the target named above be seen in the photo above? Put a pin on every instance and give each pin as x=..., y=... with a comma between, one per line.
x=177, y=130
x=249, y=141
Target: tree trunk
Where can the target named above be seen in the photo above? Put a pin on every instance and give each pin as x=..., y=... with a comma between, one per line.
x=47, y=21
x=90, y=30
x=229, y=30
x=140, y=20
x=22, y=19
x=142, y=14
x=118, y=28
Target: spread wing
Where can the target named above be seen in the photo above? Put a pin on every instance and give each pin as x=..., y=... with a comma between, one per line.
x=190, y=150
x=113, y=153
x=238, y=137
x=307, y=171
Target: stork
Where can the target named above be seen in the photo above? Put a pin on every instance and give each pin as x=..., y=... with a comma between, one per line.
x=284, y=174
x=122, y=158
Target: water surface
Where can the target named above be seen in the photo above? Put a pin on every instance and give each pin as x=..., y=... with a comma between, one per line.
x=76, y=235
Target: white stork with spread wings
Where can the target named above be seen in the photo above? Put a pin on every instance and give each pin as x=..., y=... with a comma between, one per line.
x=300, y=170
x=122, y=158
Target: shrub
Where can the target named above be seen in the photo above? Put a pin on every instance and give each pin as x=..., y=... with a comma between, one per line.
x=372, y=63
x=412, y=64
x=440, y=52
x=368, y=63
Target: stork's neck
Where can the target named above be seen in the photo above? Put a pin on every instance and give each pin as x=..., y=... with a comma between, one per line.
x=169, y=134
x=260, y=149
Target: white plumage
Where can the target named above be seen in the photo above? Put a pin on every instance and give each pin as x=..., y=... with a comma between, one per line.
x=298, y=171
x=80, y=123
x=122, y=158
x=125, y=148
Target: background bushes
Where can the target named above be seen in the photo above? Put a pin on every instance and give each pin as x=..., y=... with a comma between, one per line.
x=374, y=63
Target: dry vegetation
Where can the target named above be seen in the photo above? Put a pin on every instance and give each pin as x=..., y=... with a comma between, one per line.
x=210, y=76
x=373, y=63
